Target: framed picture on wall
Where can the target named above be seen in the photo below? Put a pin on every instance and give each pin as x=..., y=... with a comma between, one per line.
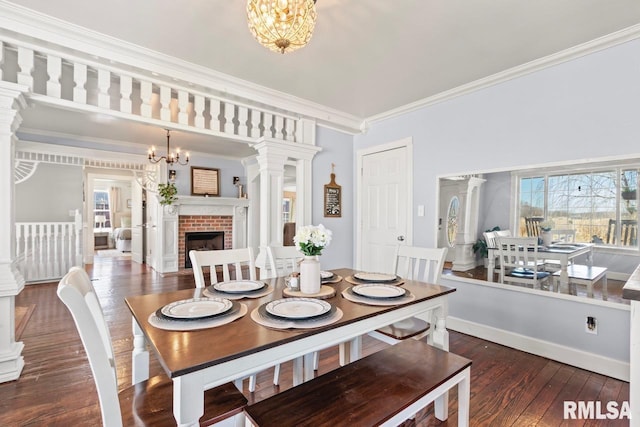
x=205, y=181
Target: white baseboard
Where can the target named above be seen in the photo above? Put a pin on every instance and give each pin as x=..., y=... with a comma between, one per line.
x=570, y=356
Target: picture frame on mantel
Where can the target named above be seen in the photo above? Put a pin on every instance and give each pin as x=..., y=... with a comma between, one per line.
x=205, y=181
x=332, y=198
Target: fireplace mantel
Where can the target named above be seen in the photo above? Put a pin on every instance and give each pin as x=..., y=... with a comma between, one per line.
x=197, y=205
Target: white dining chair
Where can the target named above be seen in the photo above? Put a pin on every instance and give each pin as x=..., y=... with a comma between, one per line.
x=149, y=402
x=413, y=263
x=281, y=261
x=519, y=261
x=243, y=266
x=240, y=259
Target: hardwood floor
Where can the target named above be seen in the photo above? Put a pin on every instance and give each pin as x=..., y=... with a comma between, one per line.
x=508, y=387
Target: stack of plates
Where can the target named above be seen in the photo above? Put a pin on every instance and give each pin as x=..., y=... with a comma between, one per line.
x=379, y=291
x=375, y=277
x=197, y=309
x=240, y=286
x=326, y=275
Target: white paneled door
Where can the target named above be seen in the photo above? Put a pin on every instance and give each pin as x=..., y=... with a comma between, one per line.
x=385, y=206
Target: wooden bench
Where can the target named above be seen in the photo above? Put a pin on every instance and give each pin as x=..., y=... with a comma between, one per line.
x=385, y=388
x=585, y=275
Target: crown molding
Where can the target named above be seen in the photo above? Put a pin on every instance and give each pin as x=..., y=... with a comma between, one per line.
x=575, y=52
x=52, y=31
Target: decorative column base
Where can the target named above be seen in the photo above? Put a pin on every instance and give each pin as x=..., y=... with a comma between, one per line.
x=11, y=360
x=11, y=363
x=465, y=259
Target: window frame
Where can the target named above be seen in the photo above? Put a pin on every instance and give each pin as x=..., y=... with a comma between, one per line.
x=585, y=168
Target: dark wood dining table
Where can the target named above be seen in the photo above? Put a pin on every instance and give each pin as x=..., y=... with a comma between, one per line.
x=203, y=359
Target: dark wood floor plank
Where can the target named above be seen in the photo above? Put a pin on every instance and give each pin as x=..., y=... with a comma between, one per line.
x=56, y=386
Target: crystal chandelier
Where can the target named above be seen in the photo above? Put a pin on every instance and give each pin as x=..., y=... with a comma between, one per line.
x=281, y=25
x=170, y=158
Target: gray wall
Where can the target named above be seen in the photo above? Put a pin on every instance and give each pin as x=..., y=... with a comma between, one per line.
x=49, y=194
x=337, y=148
x=228, y=169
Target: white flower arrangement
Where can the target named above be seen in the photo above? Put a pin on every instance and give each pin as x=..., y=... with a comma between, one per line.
x=547, y=225
x=311, y=240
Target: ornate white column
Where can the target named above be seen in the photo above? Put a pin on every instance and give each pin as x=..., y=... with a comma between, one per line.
x=11, y=281
x=272, y=156
x=469, y=195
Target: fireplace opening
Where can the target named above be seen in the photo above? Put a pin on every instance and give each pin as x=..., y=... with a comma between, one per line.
x=202, y=241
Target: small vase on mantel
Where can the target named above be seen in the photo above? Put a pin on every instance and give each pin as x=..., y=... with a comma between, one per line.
x=310, y=275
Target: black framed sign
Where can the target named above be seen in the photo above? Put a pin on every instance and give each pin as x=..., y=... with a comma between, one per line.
x=333, y=198
x=205, y=181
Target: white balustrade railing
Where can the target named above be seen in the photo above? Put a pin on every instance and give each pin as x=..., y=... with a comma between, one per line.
x=61, y=78
x=47, y=250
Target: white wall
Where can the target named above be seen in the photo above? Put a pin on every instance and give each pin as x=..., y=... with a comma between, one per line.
x=228, y=169
x=587, y=108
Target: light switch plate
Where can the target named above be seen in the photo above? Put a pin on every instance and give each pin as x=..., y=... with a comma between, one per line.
x=420, y=210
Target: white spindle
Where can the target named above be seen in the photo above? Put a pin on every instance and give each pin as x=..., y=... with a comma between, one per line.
x=42, y=268
x=25, y=63
x=80, y=80
x=126, y=88
x=215, y=114
x=54, y=70
x=289, y=129
x=183, y=107
x=243, y=116
x=198, y=108
x=165, y=103
x=229, y=114
x=267, y=123
x=104, y=83
x=146, y=91
x=53, y=255
x=279, y=127
x=255, y=123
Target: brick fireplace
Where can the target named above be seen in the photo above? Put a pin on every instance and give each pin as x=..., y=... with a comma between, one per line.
x=193, y=223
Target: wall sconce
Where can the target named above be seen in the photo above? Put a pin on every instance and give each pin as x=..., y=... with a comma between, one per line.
x=172, y=175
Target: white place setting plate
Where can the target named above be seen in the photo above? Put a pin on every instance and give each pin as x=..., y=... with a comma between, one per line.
x=379, y=291
x=239, y=286
x=326, y=274
x=375, y=277
x=196, y=308
x=297, y=308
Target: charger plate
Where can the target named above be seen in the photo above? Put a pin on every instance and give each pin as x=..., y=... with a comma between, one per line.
x=349, y=295
x=354, y=281
x=261, y=317
x=180, y=325
x=196, y=308
x=297, y=308
x=239, y=286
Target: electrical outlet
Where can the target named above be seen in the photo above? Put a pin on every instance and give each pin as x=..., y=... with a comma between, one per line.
x=591, y=325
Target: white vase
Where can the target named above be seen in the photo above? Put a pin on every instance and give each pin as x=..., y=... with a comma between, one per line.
x=546, y=238
x=310, y=275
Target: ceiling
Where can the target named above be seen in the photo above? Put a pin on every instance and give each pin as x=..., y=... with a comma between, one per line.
x=366, y=57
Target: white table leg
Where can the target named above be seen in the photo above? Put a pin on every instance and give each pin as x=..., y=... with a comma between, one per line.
x=188, y=400
x=308, y=363
x=298, y=371
x=564, y=276
x=464, y=397
x=491, y=265
x=441, y=340
x=344, y=353
x=355, y=349
x=139, y=356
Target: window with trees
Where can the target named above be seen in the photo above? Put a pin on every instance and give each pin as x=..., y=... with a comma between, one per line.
x=598, y=205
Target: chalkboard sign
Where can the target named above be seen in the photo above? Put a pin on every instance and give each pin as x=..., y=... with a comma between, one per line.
x=333, y=198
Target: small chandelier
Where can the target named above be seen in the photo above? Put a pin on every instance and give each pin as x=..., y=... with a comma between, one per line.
x=170, y=158
x=281, y=25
